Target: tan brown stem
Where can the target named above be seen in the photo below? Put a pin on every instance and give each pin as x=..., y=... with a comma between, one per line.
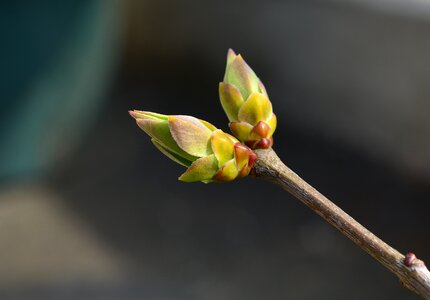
x=412, y=272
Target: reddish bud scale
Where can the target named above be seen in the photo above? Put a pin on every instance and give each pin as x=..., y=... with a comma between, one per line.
x=261, y=129
x=252, y=159
x=260, y=144
x=242, y=154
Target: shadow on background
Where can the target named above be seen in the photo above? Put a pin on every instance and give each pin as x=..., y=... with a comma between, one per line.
x=97, y=213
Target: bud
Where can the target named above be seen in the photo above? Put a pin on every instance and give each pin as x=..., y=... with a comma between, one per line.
x=207, y=152
x=246, y=103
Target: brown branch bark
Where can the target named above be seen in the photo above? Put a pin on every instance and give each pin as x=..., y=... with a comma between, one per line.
x=412, y=272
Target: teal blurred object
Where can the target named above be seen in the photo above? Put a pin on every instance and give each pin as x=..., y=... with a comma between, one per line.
x=56, y=61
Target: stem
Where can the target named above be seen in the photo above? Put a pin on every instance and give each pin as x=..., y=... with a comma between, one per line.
x=411, y=271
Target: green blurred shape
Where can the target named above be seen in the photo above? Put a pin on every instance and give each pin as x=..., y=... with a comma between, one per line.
x=57, y=59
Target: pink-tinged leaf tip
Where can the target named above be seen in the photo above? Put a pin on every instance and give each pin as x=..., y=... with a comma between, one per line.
x=132, y=113
x=231, y=54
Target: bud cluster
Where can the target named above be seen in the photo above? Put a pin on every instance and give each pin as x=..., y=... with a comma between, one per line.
x=246, y=103
x=209, y=153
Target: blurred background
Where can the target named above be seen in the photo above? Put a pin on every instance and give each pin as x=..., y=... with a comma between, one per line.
x=90, y=210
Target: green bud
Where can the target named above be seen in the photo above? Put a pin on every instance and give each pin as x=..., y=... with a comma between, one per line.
x=207, y=152
x=246, y=103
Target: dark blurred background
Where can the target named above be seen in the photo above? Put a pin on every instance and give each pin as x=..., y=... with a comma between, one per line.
x=90, y=210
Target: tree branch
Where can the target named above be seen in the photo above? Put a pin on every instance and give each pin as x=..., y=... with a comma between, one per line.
x=412, y=272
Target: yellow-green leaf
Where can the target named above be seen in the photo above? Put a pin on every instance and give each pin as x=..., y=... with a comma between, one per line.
x=222, y=146
x=191, y=135
x=272, y=124
x=228, y=172
x=241, y=130
x=231, y=100
x=202, y=169
x=242, y=76
x=160, y=131
x=256, y=108
x=173, y=156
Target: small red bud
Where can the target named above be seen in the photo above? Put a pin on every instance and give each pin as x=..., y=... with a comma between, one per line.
x=409, y=259
x=263, y=144
x=131, y=113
